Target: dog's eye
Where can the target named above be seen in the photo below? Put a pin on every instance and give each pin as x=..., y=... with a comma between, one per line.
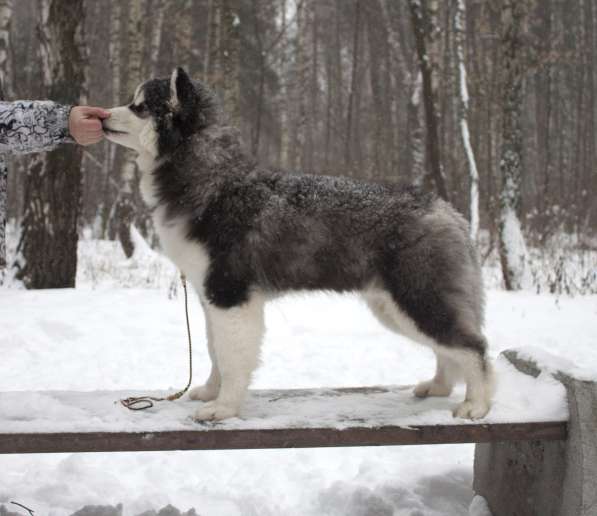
x=139, y=109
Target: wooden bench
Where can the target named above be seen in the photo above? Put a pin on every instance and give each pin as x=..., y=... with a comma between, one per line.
x=348, y=431
x=521, y=467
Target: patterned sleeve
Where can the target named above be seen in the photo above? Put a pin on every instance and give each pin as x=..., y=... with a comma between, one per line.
x=28, y=126
x=3, y=207
x=33, y=126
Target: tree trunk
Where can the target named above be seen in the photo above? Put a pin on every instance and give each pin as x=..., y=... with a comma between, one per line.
x=49, y=239
x=415, y=130
x=211, y=70
x=5, y=89
x=6, y=74
x=159, y=9
x=352, y=96
x=125, y=205
x=183, y=34
x=463, y=98
x=256, y=132
x=376, y=38
x=298, y=89
x=108, y=224
x=425, y=42
x=513, y=254
x=230, y=61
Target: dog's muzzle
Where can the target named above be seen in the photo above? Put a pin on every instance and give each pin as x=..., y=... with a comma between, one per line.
x=107, y=130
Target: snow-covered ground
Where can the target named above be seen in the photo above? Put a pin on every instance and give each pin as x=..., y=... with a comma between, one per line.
x=103, y=337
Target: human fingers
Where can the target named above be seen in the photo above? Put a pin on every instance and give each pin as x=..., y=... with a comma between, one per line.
x=94, y=112
x=87, y=131
x=90, y=124
x=91, y=137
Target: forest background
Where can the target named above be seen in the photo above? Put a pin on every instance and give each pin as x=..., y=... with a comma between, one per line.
x=491, y=104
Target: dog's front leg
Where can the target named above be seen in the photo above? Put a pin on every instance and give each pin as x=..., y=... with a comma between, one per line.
x=237, y=334
x=209, y=391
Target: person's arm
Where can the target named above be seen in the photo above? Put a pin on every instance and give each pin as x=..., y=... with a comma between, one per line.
x=3, y=207
x=33, y=126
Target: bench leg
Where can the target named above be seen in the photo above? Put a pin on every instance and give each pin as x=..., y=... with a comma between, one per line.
x=521, y=478
x=545, y=478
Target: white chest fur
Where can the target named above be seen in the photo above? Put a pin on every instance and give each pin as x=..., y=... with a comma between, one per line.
x=188, y=255
x=147, y=165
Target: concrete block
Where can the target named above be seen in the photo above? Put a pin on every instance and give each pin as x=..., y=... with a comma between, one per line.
x=544, y=478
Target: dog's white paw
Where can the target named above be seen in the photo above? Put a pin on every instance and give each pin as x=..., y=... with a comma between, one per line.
x=214, y=411
x=471, y=409
x=431, y=388
x=207, y=392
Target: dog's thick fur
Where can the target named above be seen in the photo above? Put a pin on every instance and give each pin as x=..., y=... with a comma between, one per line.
x=243, y=234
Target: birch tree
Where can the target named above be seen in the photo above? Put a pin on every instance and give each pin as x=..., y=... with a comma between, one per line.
x=112, y=150
x=125, y=205
x=513, y=254
x=463, y=99
x=415, y=129
x=5, y=89
x=48, y=245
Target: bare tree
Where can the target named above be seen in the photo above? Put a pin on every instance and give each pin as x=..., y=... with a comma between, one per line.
x=463, y=98
x=6, y=11
x=125, y=204
x=230, y=60
x=513, y=254
x=183, y=35
x=6, y=74
x=48, y=245
x=210, y=67
x=351, y=143
x=159, y=10
x=424, y=19
x=297, y=89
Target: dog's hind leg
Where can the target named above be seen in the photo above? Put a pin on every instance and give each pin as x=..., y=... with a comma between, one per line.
x=478, y=375
x=237, y=335
x=389, y=315
x=209, y=391
x=446, y=375
x=460, y=354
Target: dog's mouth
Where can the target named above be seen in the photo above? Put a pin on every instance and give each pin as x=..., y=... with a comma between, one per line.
x=113, y=131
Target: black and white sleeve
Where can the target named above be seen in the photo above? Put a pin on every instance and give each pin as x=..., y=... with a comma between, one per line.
x=28, y=126
x=33, y=126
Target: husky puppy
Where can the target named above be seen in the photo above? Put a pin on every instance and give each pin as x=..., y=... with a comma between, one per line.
x=243, y=234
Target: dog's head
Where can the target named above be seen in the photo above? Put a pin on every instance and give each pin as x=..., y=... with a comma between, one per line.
x=162, y=114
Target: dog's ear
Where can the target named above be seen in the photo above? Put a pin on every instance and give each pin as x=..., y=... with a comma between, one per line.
x=184, y=102
x=182, y=91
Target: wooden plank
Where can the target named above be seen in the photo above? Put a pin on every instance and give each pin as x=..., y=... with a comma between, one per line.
x=225, y=439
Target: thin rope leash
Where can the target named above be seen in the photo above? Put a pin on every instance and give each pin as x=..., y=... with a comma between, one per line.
x=145, y=402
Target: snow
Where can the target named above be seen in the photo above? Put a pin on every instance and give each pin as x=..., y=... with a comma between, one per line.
x=479, y=507
x=101, y=338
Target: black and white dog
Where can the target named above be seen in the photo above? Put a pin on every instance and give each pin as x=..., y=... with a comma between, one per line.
x=244, y=234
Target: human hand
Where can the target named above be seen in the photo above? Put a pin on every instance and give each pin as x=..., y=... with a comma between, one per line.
x=85, y=124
